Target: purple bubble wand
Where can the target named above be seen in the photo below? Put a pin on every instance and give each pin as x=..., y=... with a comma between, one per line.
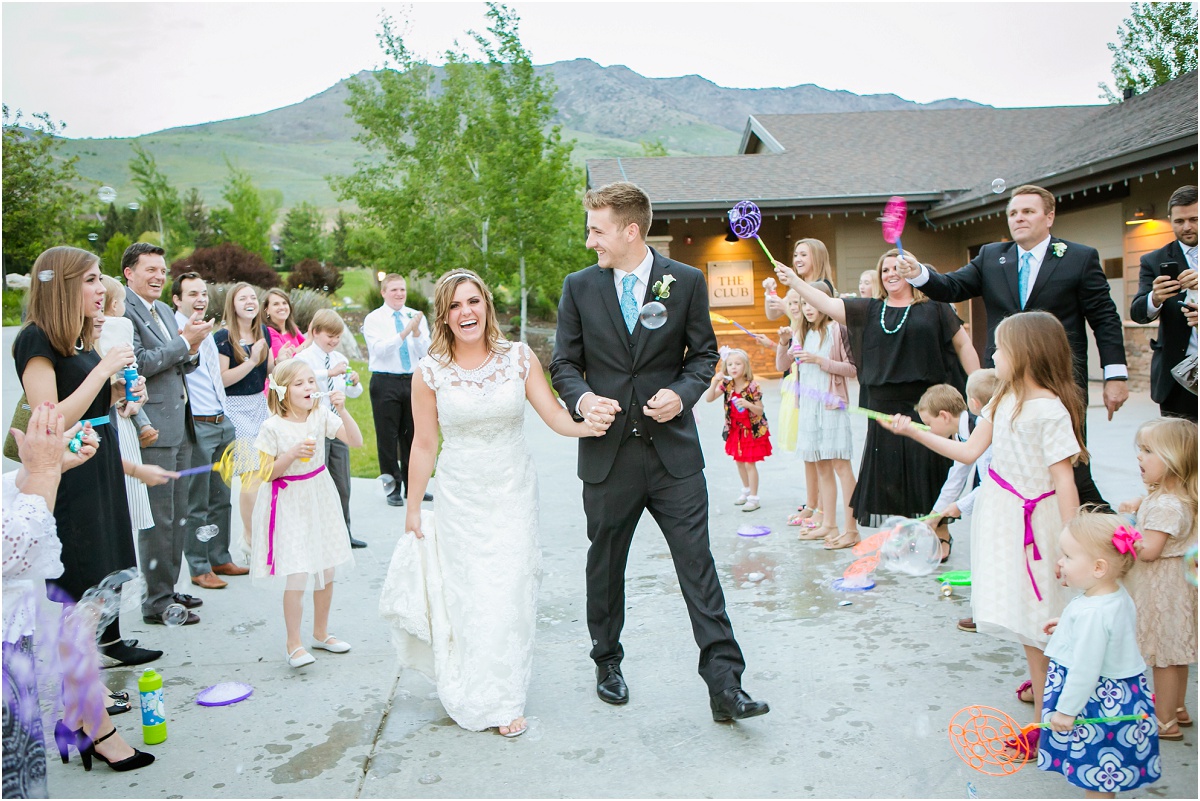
x=744, y=221
x=833, y=399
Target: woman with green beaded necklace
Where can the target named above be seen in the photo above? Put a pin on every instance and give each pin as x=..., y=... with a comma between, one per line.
x=902, y=343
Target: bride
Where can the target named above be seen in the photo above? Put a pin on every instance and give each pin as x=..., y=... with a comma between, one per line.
x=461, y=595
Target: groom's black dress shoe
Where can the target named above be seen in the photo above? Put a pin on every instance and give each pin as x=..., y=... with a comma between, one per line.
x=610, y=685
x=734, y=704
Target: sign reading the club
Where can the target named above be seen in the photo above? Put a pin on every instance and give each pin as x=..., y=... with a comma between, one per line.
x=730, y=283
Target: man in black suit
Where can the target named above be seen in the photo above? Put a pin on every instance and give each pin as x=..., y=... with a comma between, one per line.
x=1166, y=284
x=644, y=383
x=1039, y=271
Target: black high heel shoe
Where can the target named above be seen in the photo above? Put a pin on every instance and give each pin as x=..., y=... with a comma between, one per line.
x=86, y=746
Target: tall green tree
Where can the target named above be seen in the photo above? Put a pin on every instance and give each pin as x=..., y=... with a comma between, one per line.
x=1156, y=43
x=159, y=201
x=114, y=249
x=339, y=240
x=248, y=218
x=39, y=198
x=197, y=218
x=467, y=170
x=303, y=235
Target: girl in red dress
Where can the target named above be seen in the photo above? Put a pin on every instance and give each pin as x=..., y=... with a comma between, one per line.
x=747, y=438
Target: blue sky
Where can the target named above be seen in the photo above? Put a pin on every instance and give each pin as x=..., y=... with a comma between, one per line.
x=123, y=69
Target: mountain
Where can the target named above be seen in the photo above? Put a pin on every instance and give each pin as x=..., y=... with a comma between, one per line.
x=608, y=111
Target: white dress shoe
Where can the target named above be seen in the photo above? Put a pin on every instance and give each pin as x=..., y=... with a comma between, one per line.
x=337, y=646
x=300, y=661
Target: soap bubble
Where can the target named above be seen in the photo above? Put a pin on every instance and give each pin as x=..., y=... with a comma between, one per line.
x=107, y=194
x=175, y=615
x=911, y=547
x=120, y=577
x=388, y=482
x=92, y=237
x=653, y=315
x=134, y=206
x=46, y=276
x=206, y=533
x=998, y=186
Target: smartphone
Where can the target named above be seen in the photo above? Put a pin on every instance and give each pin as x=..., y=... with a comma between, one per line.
x=1169, y=269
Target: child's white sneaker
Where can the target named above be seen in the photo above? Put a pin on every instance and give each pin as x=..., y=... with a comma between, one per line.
x=751, y=503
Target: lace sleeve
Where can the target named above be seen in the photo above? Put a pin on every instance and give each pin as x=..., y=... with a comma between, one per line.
x=522, y=357
x=426, y=366
x=31, y=546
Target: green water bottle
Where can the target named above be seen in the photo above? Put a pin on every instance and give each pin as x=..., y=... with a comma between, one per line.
x=154, y=711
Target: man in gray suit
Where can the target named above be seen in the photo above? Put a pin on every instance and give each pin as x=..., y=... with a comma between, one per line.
x=164, y=356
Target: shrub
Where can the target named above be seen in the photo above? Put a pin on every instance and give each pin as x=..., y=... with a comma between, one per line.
x=311, y=274
x=216, y=301
x=306, y=303
x=227, y=263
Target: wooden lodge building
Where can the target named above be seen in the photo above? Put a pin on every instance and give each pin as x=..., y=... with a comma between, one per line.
x=828, y=176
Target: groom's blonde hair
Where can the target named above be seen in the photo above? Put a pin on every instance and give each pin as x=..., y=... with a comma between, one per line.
x=628, y=202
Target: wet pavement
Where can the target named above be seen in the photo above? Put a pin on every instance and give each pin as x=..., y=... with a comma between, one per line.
x=860, y=693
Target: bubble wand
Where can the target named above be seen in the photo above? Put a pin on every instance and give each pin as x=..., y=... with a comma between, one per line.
x=988, y=740
x=832, y=398
x=744, y=221
x=894, y=215
x=720, y=318
x=228, y=465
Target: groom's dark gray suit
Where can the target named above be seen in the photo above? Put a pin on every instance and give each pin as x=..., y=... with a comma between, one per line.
x=641, y=464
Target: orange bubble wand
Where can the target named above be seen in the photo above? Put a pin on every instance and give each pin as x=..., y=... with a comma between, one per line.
x=991, y=742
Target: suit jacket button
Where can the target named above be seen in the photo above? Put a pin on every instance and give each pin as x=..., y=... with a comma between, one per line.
x=635, y=375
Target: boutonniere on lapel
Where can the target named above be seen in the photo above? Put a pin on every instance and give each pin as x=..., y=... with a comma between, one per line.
x=1059, y=249
x=662, y=289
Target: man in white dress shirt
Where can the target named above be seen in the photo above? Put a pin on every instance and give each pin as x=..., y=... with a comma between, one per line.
x=207, y=553
x=333, y=373
x=397, y=338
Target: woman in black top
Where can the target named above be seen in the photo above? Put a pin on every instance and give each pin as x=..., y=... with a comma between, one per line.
x=244, y=347
x=56, y=362
x=902, y=344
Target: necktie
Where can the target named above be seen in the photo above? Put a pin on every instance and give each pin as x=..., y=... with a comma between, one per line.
x=629, y=307
x=1023, y=277
x=328, y=380
x=1191, y=256
x=158, y=320
x=405, y=359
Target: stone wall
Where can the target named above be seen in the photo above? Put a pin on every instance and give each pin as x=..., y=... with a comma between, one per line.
x=1138, y=353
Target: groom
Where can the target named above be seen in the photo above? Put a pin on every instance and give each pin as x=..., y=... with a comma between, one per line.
x=643, y=382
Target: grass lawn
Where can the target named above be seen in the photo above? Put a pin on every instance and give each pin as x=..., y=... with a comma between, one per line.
x=356, y=283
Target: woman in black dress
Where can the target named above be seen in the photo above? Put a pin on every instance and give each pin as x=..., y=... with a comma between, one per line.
x=902, y=344
x=56, y=362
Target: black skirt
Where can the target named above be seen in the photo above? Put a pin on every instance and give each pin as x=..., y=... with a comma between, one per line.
x=898, y=476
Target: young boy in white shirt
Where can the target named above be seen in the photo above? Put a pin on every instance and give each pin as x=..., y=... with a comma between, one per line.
x=333, y=374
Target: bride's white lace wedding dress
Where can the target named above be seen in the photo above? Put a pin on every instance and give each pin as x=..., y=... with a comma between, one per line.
x=462, y=601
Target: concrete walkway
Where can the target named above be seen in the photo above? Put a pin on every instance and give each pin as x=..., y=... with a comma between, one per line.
x=860, y=694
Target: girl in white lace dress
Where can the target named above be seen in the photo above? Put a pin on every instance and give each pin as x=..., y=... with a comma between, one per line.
x=1166, y=604
x=462, y=601
x=298, y=530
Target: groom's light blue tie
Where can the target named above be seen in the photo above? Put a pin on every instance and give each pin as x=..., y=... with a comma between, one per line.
x=1023, y=277
x=629, y=306
x=405, y=360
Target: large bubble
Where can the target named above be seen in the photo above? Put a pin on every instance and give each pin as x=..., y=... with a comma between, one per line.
x=911, y=547
x=653, y=315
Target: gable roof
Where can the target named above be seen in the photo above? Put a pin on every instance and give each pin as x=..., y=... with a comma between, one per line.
x=1154, y=130
x=944, y=160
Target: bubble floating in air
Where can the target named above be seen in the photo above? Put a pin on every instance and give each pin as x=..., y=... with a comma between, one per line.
x=653, y=315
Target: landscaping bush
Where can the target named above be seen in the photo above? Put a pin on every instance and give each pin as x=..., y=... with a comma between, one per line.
x=227, y=263
x=306, y=303
x=311, y=274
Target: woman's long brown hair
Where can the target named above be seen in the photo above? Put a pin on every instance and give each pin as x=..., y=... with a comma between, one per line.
x=56, y=304
x=230, y=319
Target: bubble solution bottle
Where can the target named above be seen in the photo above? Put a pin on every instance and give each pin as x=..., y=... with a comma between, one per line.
x=154, y=710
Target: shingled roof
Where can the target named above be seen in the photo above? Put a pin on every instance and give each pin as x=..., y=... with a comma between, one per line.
x=943, y=159
x=1155, y=130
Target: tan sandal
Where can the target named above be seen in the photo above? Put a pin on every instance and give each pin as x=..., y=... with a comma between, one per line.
x=1182, y=717
x=846, y=540
x=1162, y=729
x=813, y=533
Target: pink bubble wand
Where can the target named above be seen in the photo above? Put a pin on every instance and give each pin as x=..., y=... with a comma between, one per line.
x=744, y=221
x=894, y=215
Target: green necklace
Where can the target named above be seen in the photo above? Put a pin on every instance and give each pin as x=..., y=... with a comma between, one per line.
x=883, y=311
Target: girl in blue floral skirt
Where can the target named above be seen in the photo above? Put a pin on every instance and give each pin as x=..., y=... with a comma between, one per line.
x=1096, y=670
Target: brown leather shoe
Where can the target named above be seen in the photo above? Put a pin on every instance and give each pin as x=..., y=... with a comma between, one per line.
x=230, y=569
x=209, y=581
x=147, y=436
